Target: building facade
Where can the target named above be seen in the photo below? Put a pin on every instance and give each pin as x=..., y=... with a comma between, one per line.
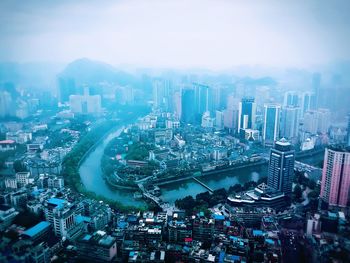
x=271, y=123
x=281, y=167
x=247, y=112
x=335, y=184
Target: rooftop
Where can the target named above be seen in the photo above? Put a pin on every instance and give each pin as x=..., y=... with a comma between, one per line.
x=56, y=201
x=37, y=228
x=7, y=142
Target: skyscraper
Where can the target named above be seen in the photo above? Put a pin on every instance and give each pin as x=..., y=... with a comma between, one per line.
x=348, y=132
x=281, y=167
x=317, y=121
x=201, y=98
x=219, y=120
x=310, y=122
x=161, y=94
x=289, y=122
x=188, y=106
x=335, y=184
x=246, y=116
x=271, y=123
x=308, y=102
x=323, y=120
x=231, y=119
x=291, y=98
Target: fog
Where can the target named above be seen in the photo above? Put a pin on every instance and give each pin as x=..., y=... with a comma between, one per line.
x=177, y=34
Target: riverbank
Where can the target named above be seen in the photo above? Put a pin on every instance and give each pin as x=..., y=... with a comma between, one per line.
x=189, y=175
x=76, y=177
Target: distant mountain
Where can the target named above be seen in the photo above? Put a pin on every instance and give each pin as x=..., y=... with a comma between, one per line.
x=86, y=71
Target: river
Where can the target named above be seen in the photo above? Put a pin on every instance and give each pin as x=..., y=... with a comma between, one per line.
x=91, y=176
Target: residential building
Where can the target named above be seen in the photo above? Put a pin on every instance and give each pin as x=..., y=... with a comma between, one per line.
x=335, y=184
x=98, y=247
x=289, y=122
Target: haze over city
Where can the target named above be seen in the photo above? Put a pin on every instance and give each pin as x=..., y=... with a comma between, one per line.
x=177, y=34
x=175, y=131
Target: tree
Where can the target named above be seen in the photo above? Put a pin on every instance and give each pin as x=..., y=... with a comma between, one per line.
x=187, y=203
x=297, y=192
x=19, y=167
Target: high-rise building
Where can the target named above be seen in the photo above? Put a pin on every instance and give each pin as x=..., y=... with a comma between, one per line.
x=61, y=215
x=232, y=103
x=202, y=99
x=289, y=122
x=246, y=116
x=291, y=98
x=161, y=94
x=219, y=120
x=308, y=102
x=335, y=184
x=188, y=106
x=231, y=119
x=271, y=123
x=348, y=132
x=6, y=104
x=85, y=103
x=310, y=122
x=317, y=121
x=323, y=120
x=177, y=104
x=281, y=167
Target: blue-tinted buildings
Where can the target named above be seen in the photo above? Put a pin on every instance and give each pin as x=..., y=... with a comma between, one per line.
x=281, y=167
x=188, y=113
x=247, y=112
x=272, y=114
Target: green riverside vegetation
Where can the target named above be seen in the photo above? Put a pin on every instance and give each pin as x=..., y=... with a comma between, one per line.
x=72, y=161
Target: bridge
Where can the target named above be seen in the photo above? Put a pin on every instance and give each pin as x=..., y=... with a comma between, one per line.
x=203, y=184
x=164, y=206
x=305, y=167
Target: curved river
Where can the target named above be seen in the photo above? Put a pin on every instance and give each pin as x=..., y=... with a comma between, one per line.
x=91, y=176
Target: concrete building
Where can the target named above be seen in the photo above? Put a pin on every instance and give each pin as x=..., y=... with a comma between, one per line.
x=7, y=145
x=323, y=120
x=219, y=120
x=85, y=104
x=348, y=132
x=24, y=178
x=271, y=123
x=207, y=121
x=246, y=114
x=98, y=247
x=188, y=108
x=335, y=184
x=289, y=122
x=61, y=215
x=291, y=98
x=231, y=119
x=281, y=167
x=7, y=215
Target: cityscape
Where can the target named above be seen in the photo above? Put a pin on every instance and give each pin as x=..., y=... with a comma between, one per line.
x=175, y=131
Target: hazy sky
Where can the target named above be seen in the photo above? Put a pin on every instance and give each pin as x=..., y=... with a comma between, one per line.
x=208, y=34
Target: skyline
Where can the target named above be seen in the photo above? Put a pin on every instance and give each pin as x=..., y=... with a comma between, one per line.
x=177, y=34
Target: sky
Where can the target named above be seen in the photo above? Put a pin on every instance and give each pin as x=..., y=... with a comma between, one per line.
x=215, y=34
